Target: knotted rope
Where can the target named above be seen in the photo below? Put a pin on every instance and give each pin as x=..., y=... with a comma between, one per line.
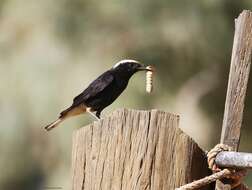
x=211, y=155
x=236, y=176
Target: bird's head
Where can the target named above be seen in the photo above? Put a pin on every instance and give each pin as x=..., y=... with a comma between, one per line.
x=129, y=67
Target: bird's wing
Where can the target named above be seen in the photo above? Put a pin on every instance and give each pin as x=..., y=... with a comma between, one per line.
x=94, y=88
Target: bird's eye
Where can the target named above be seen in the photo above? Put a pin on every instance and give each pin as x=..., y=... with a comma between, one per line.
x=132, y=65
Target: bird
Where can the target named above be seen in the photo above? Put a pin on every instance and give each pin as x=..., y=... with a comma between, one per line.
x=102, y=92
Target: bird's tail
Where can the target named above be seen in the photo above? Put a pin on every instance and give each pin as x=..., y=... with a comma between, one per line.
x=71, y=111
x=54, y=124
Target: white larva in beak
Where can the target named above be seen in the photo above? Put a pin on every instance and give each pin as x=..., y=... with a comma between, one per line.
x=149, y=79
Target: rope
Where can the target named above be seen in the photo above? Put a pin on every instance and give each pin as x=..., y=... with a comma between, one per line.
x=211, y=155
x=205, y=181
x=236, y=176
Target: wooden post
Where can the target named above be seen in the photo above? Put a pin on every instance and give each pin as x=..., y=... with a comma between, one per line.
x=237, y=84
x=238, y=79
x=135, y=150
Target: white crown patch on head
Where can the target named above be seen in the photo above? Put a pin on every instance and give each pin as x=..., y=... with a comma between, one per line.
x=125, y=61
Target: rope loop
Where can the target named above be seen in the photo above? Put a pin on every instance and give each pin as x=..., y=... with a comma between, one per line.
x=235, y=176
x=211, y=155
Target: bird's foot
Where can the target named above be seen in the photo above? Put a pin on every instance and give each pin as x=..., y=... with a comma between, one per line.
x=94, y=115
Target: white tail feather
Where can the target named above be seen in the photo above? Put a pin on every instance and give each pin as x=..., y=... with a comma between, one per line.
x=53, y=124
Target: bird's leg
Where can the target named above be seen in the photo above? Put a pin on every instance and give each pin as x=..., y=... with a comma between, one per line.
x=94, y=115
x=98, y=114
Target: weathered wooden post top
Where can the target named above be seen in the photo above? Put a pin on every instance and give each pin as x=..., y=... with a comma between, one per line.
x=135, y=150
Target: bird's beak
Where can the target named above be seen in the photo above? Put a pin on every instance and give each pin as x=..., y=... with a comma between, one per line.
x=145, y=68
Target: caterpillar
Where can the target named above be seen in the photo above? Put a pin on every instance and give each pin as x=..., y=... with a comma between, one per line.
x=149, y=80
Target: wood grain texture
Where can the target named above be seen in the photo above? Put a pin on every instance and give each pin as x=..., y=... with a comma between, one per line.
x=135, y=150
x=238, y=79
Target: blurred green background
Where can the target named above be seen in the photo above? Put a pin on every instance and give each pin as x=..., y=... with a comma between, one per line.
x=51, y=50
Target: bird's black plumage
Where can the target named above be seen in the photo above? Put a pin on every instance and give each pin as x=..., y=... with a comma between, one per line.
x=95, y=90
x=104, y=90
